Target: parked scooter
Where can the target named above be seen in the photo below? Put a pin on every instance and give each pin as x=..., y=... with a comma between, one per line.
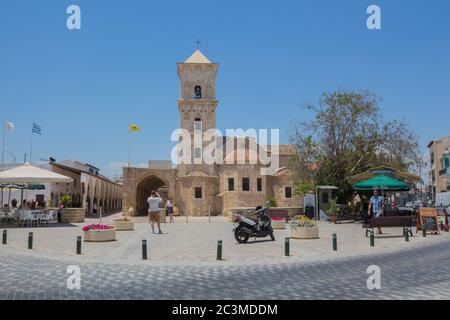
x=259, y=228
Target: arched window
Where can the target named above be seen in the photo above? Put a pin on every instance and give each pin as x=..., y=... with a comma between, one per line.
x=198, y=124
x=198, y=92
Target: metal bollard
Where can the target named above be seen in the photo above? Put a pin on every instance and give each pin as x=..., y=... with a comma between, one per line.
x=144, y=249
x=334, y=242
x=5, y=236
x=79, y=245
x=30, y=240
x=406, y=235
x=372, y=239
x=424, y=232
x=286, y=247
x=219, y=250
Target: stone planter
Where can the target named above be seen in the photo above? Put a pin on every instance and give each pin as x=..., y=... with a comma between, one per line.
x=305, y=233
x=121, y=225
x=103, y=235
x=279, y=224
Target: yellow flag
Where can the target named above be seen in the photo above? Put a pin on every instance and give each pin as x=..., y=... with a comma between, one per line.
x=133, y=127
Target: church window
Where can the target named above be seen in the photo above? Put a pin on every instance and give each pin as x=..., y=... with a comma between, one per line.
x=230, y=184
x=288, y=192
x=198, y=124
x=198, y=193
x=245, y=184
x=198, y=92
x=198, y=153
x=259, y=184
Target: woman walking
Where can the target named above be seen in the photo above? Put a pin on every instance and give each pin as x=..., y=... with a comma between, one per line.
x=169, y=210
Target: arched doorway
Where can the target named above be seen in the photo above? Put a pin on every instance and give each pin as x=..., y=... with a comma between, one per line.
x=144, y=190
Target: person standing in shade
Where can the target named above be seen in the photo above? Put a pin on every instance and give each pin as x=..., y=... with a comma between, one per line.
x=376, y=207
x=94, y=208
x=153, y=209
x=169, y=210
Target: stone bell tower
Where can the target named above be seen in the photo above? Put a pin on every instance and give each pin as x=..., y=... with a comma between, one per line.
x=197, y=104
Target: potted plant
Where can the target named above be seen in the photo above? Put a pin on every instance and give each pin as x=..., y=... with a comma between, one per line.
x=99, y=233
x=66, y=200
x=333, y=211
x=124, y=223
x=303, y=227
x=272, y=201
x=278, y=223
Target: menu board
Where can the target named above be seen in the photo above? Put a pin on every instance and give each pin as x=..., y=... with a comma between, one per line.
x=428, y=218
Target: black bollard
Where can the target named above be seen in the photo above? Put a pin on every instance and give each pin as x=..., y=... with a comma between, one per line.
x=406, y=235
x=144, y=249
x=219, y=249
x=372, y=239
x=79, y=245
x=334, y=242
x=5, y=236
x=424, y=232
x=286, y=247
x=30, y=240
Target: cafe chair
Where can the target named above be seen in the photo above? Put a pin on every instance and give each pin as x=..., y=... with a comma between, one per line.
x=24, y=218
x=35, y=218
x=45, y=218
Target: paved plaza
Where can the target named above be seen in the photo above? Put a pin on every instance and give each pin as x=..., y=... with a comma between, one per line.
x=182, y=265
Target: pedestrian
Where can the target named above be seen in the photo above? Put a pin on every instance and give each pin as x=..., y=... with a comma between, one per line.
x=169, y=210
x=376, y=207
x=153, y=209
x=94, y=208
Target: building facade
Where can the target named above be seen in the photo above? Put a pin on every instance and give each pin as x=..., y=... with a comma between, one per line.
x=439, y=176
x=88, y=190
x=199, y=188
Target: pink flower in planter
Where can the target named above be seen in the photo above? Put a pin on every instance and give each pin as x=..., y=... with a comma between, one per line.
x=97, y=227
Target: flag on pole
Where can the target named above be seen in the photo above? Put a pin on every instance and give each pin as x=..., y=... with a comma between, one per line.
x=9, y=125
x=36, y=129
x=133, y=128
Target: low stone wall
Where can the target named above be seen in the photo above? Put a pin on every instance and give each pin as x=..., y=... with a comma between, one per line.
x=276, y=212
x=72, y=215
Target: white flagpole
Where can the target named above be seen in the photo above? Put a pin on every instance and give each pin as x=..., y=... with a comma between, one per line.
x=3, y=146
x=3, y=153
x=129, y=147
x=31, y=145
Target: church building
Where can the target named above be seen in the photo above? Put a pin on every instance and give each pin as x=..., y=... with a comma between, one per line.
x=197, y=188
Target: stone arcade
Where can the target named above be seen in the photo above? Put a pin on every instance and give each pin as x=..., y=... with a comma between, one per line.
x=198, y=188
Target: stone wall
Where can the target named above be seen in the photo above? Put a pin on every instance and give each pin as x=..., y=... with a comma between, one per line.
x=72, y=215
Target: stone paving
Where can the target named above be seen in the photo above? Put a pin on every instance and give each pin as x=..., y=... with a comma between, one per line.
x=195, y=243
x=182, y=265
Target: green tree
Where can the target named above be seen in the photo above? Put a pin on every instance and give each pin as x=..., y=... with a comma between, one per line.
x=347, y=136
x=272, y=201
x=66, y=200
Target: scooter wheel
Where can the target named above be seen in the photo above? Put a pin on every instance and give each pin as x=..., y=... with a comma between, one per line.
x=241, y=236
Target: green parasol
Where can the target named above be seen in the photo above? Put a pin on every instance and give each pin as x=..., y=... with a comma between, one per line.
x=382, y=182
x=22, y=186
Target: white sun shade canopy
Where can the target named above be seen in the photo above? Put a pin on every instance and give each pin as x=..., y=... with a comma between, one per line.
x=31, y=174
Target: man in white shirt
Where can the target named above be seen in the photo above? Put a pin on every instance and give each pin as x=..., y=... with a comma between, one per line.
x=153, y=209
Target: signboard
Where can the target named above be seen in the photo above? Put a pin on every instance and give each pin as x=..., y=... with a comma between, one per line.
x=428, y=218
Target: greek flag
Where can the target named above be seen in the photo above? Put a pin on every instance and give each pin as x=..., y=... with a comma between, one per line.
x=36, y=129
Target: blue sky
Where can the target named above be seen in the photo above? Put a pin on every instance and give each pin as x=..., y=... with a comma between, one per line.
x=84, y=86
